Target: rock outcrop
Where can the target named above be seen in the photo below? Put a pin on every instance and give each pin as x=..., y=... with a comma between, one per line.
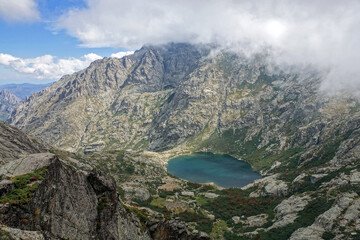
x=173, y=230
x=348, y=203
x=269, y=185
x=286, y=211
x=67, y=204
x=15, y=144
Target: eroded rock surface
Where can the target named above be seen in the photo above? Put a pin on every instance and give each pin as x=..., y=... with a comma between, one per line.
x=68, y=204
x=15, y=143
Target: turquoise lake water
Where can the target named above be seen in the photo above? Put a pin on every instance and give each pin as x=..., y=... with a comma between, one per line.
x=223, y=170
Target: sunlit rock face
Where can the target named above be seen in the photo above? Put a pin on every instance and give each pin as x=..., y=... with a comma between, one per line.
x=163, y=96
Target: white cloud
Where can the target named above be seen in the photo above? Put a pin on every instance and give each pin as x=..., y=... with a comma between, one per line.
x=324, y=33
x=47, y=66
x=19, y=10
x=121, y=54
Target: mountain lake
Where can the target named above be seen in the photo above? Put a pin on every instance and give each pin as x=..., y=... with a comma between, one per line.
x=204, y=167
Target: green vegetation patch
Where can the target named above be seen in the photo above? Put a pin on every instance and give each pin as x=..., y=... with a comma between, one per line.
x=158, y=202
x=142, y=216
x=232, y=142
x=24, y=187
x=235, y=202
x=227, y=141
x=5, y=235
x=328, y=236
x=204, y=224
x=218, y=230
x=102, y=204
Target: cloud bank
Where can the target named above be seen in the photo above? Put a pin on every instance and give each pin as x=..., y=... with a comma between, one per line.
x=19, y=10
x=47, y=66
x=121, y=54
x=324, y=33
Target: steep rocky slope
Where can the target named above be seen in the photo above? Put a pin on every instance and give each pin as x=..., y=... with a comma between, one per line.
x=161, y=97
x=118, y=97
x=15, y=144
x=54, y=196
x=8, y=102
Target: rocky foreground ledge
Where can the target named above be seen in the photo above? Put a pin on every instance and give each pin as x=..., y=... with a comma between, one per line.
x=42, y=197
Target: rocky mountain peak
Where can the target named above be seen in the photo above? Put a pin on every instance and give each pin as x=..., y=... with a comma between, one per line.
x=179, y=94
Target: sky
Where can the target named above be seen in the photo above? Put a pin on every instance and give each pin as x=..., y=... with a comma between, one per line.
x=33, y=50
x=40, y=40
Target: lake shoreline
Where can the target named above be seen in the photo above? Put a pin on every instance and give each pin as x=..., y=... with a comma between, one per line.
x=221, y=170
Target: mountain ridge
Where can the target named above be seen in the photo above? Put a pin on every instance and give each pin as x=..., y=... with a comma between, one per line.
x=131, y=115
x=23, y=90
x=138, y=103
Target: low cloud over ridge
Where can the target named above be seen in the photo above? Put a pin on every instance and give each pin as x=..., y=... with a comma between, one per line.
x=321, y=33
x=47, y=66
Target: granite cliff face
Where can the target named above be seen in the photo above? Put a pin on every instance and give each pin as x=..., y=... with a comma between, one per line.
x=8, y=102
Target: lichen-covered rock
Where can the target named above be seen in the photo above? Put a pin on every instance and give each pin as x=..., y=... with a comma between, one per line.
x=310, y=233
x=286, y=211
x=269, y=185
x=15, y=144
x=25, y=165
x=326, y=221
x=187, y=193
x=236, y=219
x=7, y=233
x=256, y=221
x=355, y=177
x=173, y=229
x=210, y=195
x=316, y=177
x=137, y=193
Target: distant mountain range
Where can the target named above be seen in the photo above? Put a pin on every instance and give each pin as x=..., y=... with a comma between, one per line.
x=24, y=90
